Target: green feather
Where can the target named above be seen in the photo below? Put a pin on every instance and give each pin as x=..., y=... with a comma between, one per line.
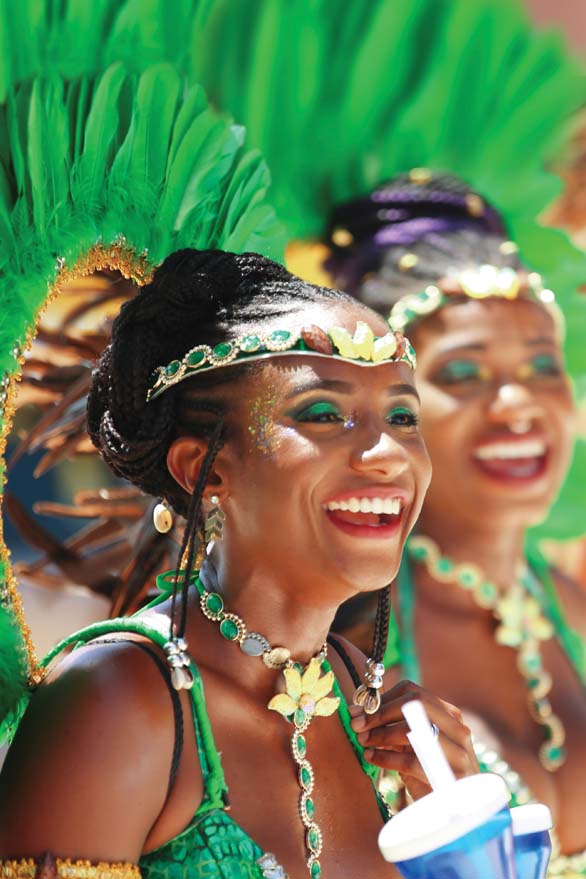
x=83, y=37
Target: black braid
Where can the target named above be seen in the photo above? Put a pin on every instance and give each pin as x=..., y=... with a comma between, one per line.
x=438, y=221
x=193, y=527
x=381, y=624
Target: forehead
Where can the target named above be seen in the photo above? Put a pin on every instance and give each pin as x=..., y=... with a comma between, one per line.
x=287, y=376
x=490, y=324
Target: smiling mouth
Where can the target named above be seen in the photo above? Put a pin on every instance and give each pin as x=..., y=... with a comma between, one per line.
x=366, y=516
x=517, y=459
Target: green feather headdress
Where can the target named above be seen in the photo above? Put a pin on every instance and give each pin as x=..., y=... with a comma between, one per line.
x=114, y=171
x=341, y=97
x=82, y=37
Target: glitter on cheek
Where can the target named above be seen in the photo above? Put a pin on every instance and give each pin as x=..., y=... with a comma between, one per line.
x=263, y=431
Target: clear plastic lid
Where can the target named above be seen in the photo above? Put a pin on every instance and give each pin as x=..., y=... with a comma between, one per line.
x=442, y=817
x=532, y=818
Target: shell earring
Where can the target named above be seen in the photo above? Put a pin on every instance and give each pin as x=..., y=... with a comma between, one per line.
x=214, y=523
x=162, y=518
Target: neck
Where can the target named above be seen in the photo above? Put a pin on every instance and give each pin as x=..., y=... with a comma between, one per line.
x=497, y=550
x=283, y=611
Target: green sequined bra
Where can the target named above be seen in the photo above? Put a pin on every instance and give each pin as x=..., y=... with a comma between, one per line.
x=212, y=846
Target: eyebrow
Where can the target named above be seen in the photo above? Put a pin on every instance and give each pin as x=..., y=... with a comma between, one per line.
x=482, y=346
x=341, y=387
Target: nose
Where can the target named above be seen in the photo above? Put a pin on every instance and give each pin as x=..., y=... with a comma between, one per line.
x=516, y=406
x=380, y=456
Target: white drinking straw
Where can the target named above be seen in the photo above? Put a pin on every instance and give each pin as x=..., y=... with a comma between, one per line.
x=427, y=749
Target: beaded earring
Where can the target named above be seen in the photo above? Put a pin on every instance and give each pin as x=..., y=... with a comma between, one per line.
x=214, y=522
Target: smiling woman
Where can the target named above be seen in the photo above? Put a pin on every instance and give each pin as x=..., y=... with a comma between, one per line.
x=292, y=449
x=498, y=418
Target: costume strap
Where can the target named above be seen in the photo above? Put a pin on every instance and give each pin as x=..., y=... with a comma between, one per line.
x=548, y=599
x=156, y=629
x=401, y=647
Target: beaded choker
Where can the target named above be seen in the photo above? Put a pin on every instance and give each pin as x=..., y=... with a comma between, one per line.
x=363, y=349
x=306, y=696
x=483, y=282
x=522, y=625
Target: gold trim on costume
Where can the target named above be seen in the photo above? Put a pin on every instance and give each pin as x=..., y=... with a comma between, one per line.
x=27, y=868
x=118, y=256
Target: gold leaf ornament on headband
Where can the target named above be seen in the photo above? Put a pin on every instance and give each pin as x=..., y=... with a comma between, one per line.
x=481, y=282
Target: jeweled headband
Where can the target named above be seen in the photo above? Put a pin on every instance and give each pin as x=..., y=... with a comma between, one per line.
x=483, y=282
x=362, y=349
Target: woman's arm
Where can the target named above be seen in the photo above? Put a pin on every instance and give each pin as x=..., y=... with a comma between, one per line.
x=87, y=774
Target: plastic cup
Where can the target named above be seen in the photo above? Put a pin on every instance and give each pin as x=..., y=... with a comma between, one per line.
x=531, y=826
x=461, y=831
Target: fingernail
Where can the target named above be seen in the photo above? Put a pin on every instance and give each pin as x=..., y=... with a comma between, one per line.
x=358, y=722
x=369, y=754
x=354, y=710
x=364, y=737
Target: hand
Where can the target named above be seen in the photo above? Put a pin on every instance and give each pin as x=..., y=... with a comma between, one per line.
x=384, y=736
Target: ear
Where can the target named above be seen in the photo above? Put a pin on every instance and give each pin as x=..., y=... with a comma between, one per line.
x=184, y=460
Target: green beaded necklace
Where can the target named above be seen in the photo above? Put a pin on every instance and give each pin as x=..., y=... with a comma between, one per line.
x=306, y=696
x=522, y=625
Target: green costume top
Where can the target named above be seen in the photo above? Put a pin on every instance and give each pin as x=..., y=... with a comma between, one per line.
x=213, y=845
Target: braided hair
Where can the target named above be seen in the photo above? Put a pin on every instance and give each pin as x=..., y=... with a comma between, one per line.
x=407, y=234
x=195, y=297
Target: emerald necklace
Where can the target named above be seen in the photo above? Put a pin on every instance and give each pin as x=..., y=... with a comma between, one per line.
x=306, y=696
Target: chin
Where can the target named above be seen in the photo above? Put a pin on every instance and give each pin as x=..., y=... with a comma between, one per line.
x=368, y=578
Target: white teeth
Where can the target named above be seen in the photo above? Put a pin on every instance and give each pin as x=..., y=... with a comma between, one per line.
x=390, y=506
x=533, y=448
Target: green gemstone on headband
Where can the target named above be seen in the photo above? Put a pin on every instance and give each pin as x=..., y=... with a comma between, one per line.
x=300, y=716
x=195, y=358
x=280, y=336
x=172, y=368
x=214, y=602
x=224, y=349
x=229, y=630
x=250, y=344
x=309, y=808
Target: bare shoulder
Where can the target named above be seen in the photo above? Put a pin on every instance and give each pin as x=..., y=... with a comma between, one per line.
x=87, y=773
x=572, y=598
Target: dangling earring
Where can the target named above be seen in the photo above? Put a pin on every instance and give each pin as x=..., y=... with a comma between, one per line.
x=162, y=518
x=214, y=522
x=367, y=695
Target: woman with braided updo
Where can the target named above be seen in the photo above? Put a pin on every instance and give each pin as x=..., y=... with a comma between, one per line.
x=280, y=419
x=480, y=620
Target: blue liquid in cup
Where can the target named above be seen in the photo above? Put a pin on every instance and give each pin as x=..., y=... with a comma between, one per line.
x=532, y=851
x=483, y=853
